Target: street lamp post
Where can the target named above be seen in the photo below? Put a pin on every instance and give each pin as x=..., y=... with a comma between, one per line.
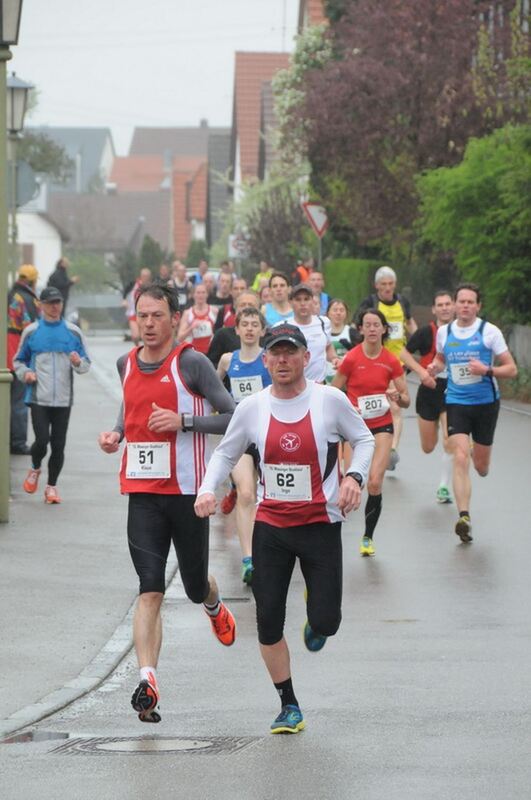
x=17, y=103
x=10, y=11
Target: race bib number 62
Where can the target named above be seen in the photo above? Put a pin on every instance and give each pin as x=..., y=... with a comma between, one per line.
x=288, y=482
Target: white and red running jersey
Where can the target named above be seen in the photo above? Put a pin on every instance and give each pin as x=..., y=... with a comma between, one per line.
x=297, y=441
x=161, y=463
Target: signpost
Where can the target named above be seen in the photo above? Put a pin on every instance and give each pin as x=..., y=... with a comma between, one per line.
x=318, y=219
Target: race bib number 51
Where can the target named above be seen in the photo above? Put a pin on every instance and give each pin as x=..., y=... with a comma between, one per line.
x=288, y=482
x=148, y=460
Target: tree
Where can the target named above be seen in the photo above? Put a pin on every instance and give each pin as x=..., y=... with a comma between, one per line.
x=480, y=212
x=152, y=255
x=396, y=98
x=127, y=266
x=197, y=251
x=44, y=155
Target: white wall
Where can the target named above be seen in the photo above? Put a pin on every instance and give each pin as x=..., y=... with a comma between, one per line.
x=198, y=230
x=47, y=247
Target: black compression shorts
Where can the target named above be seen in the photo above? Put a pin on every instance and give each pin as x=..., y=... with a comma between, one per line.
x=431, y=403
x=275, y=550
x=154, y=521
x=478, y=420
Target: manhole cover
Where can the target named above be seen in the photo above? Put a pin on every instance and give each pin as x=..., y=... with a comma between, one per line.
x=153, y=745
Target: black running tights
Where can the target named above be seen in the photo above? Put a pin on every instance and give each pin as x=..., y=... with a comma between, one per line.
x=50, y=425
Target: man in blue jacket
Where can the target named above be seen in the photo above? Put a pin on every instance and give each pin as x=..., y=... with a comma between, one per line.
x=50, y=351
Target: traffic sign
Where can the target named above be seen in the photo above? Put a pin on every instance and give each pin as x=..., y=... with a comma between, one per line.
x=238, y=246
x=317, y=218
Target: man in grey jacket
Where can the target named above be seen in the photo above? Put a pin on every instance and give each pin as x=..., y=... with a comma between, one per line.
x=50, y=351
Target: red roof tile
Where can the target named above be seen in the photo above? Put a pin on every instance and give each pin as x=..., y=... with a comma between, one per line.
x=197, y=205
x=189, y=199
x=137, y=173
x=251, y=70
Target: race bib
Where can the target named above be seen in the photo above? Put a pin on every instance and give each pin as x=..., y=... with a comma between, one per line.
x=244, y=387
x=148, y=460
x=462, y=376
x=202, y=330
x=396, y=330
x=373, y=405
x=288, y=482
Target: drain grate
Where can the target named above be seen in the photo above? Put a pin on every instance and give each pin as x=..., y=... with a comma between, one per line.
x=153, y=745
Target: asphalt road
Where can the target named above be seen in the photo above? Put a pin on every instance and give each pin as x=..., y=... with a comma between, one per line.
x=424, y=693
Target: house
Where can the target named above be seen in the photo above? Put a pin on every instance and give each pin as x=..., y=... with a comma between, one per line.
x=40, y=242
x=218, y=193
x=252, y=70
x=111, y=223
x=92, y=153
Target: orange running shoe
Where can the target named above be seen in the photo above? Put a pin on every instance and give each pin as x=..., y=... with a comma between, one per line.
x=145, y=701
x=50, y=495
x=228, y=502
x=32, y=481
x=223, y=625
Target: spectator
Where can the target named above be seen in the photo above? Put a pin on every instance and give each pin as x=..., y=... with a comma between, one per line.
x=179, y=281
x=22, y=310
x=222, y=296
x=60, y=280
x=209, y=282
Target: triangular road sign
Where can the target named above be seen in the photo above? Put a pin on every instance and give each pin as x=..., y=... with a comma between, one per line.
x=317, y=217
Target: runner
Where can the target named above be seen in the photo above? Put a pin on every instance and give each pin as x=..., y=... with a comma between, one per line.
x=374, y=377
x=247, y=374
x=430, y=403
x=296, y=426
x=343, y=335
x=469, y=347
x=168, y=392
x=316, y=331
x=51, y=350
x=397, y=311
x=279, y=309
x=197, y=322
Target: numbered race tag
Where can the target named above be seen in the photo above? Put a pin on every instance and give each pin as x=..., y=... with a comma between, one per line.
x=373, y=405
x=291, y=483
x=462, y=376
x=244, y=387
x=148, y=460
x=202, y=330
x=396, y=330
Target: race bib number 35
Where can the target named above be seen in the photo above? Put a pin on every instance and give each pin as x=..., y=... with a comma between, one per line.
x=148, y=460
x=245, y=387
x=288, y=482
x=373, y=405
x=462, y=376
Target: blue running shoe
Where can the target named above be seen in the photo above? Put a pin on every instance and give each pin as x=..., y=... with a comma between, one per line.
x=290, y=720
x=247, y=570
x=313, y=641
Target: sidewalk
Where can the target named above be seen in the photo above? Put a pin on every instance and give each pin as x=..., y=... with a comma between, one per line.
x=67, y=581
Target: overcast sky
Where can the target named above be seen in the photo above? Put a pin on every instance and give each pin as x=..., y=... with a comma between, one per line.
x=121, y=63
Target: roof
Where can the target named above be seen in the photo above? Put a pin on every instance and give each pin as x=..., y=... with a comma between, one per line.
x=197, y=194
x=311, y=12
x=85, y=146
x=173, y=141
x=112, y=222
x=251, y=71
x=137, y=173
x=218, y=195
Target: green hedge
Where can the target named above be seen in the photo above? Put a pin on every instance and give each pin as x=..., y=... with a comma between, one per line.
x=350, y=279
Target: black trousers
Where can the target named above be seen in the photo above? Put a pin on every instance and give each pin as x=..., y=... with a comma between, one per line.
x=50, y=424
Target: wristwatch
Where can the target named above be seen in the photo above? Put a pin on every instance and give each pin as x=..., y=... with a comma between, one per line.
x=357, y=477
x=489, y=373
x=187, y=422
